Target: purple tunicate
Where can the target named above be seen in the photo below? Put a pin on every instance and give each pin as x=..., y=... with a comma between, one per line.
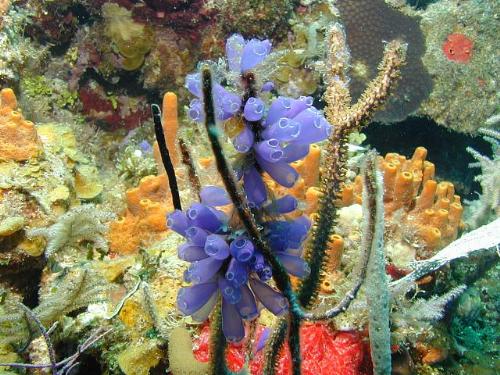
x=269, y=150
x=201, y=216
x=217, y=247
x=282, y=205
x=230, y=293
x=281, y=172
x=195, y=111
x=193, y=84
x=178, y=222
x=277, y=110
x=285, y=130
x=294, y=265
x=314, y=127
x=203, y=270
x=259, y=345
x=203, y=313
x=246, y=305
x=220, y=215
x=257, y=261
x=297, y=232
x=303, y=221
x=254, y=109
x=277, y=241
x=266, y=273
x=295, y=151
x=271, y=299
x=228, y=101
x=196, y=236
x=268, y=86
x=214, y=196
x=145, y=146
x=254, y=52
x=238, y=173
x=299, y=105
x=191, y=253
x=243, y=142
x=242, y=249
x=192, y=298
x=234, y=50
x=232, y=324
x=236, y=272
x=254, y=186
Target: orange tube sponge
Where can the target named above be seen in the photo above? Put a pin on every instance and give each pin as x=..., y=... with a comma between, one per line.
x=426, y=198
x=429, y=171
x=390, y=171
x=312, y=199
x=297, y=190
x=334, y=251
x=170, y=125
x=18, y=137
x=420, y=154
x=455, y=215
x=298, y=166
x=347, y=195
x=443, y=203
x=428, y=207
x=431, y=237
x=440, y=219
x=403, y=190
x=310, y=170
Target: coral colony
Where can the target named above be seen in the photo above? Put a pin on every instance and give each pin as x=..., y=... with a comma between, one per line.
x=223, y=257
x=241, y=227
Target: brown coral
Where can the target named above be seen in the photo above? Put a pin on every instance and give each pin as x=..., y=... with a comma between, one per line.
x=381, y=22
x=18, y=137
x=144, y=220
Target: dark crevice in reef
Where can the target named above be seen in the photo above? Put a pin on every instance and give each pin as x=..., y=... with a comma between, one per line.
x=446, y=149
x=20, y=271
x=129, y=82
x=420, y=4
x=89, y=364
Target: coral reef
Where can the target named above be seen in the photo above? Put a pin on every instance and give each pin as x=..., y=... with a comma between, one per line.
x=242, y=225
